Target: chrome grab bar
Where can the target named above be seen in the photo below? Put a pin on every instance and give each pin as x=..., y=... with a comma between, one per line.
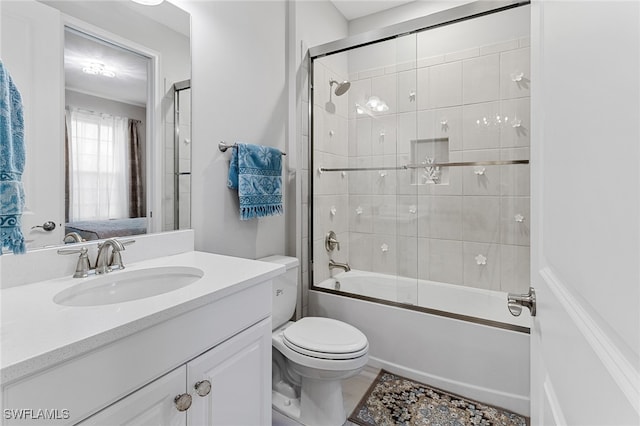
x=422, y=166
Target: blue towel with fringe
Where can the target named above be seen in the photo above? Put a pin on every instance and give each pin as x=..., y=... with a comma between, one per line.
x=12, y=158
x=256, y=172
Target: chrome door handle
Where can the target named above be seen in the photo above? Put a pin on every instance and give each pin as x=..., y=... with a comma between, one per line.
x=515, y=302
x=47, y=226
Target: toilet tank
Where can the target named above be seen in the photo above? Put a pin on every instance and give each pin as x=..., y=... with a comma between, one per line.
x=284, y=290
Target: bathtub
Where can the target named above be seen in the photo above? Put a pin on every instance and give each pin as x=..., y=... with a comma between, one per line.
x=453, y=337
x=480, y=305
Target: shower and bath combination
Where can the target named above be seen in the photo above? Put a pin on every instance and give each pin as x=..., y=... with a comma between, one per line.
x=416, y=122
x=433, y=253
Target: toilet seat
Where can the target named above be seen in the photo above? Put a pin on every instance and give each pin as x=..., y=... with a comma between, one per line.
x=325, y=338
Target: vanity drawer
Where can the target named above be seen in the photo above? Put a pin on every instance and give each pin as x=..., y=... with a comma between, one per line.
x=83, y=385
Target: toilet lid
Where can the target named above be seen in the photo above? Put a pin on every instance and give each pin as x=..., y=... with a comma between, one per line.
x=325, y=338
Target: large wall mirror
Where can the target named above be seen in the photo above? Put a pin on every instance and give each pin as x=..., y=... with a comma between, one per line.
x=108, y=140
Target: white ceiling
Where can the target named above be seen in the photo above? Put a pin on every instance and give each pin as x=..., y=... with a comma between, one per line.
x=130, y=83
x=352, y=9
x=166, y=14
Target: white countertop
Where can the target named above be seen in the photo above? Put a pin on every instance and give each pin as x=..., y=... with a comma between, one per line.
x=36, y=333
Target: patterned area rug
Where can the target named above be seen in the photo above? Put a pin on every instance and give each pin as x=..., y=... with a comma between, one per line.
x=395, y=400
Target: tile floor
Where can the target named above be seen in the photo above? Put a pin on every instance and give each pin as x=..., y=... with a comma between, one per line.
x=353, y=390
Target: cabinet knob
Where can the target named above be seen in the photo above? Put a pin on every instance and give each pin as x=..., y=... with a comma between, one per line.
x=183, y=402
x=203, y=387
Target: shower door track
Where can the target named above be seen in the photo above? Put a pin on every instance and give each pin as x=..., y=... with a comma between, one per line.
x=422, y=166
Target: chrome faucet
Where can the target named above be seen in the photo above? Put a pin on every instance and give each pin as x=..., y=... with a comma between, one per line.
x=102, y=264
x=344, y=266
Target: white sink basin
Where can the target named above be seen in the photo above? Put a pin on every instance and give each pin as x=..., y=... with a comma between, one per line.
x=123, y=286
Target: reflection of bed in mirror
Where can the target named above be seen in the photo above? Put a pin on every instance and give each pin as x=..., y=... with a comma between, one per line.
x=100, y=229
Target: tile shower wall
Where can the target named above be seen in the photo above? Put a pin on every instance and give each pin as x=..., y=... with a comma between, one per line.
x=472, y=227
x=331, y=149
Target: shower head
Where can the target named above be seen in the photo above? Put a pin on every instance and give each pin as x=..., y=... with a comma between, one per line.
x=341, y=88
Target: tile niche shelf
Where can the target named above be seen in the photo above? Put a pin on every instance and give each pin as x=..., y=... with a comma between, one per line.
x=428, y=151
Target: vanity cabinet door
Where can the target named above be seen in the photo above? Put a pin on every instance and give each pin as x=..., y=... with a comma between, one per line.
x=239, y=374
x=152, y=405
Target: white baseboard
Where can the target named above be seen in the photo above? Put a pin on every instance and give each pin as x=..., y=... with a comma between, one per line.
x=516, y=403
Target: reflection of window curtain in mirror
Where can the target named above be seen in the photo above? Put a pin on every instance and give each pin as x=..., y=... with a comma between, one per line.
x=97, y=166
x=137, y=205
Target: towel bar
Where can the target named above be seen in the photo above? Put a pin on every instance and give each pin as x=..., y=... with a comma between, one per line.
x=222, y=146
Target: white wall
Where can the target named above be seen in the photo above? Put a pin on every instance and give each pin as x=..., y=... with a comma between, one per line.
x=317, y=22
x=107, y=106
x=239, y=94
x=242, y=56
x=401, y=13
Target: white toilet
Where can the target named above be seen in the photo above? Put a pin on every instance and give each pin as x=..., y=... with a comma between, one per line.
x=310, y=356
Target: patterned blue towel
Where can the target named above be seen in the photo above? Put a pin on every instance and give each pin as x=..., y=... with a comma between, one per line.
x=256, y=172
x=11, y=164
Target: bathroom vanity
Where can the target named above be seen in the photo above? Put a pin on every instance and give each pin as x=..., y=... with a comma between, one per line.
x=200, y=354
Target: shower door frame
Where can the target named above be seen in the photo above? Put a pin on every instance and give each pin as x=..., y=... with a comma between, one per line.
x=177, y=88
x=450, y=16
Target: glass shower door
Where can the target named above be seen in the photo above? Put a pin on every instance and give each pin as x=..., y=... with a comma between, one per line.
x=421, y=168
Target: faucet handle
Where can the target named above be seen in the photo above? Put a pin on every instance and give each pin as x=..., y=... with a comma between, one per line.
x=116, y=257
x=116, y=260
x=83, y=265
x=80, y=250
x=331, y=242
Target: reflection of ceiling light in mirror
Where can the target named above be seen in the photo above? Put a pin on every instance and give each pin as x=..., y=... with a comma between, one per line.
x=148, y=2
x=96, y=68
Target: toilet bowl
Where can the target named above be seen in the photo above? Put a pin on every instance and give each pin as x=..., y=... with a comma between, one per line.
x=311, y=356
